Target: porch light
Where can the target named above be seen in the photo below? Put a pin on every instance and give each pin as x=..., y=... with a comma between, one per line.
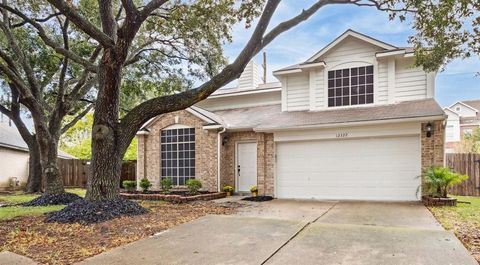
x=225, y=140
x=428, y=128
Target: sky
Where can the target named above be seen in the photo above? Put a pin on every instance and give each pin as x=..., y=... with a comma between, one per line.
x=458, y=81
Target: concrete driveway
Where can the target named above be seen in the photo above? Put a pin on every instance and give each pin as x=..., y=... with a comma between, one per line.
x=302, y=232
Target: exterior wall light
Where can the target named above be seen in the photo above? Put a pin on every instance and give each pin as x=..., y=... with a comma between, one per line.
x=225, y=140
x=429, y=129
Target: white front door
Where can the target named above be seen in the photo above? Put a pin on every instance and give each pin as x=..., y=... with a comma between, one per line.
x=246, y=166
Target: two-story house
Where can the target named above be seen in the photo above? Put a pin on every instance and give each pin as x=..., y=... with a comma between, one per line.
x=463, y=118
x=355, y=121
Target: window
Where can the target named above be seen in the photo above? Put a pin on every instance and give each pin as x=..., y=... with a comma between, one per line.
x=457, y=109
x=178, y=155
x=353, y=86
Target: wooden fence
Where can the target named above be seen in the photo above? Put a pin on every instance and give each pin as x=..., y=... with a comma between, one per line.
x=75, y=172
x=468, y=164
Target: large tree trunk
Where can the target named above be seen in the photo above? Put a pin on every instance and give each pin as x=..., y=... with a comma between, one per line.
x=106, y=154
x=34, y=181
x=52, y=182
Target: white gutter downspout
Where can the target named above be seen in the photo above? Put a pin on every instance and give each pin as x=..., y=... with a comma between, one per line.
x=219, y=146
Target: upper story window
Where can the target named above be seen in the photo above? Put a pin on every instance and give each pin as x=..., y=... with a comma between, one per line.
x=352, y=86
x=178, y=154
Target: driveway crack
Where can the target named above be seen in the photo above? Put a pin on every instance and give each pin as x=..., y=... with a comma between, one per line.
x=297, y=233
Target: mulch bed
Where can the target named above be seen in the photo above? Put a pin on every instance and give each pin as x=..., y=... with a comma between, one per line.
x=434, y=201
x=57, y=243
x=53, y=199
x=172, y=197
x=258, y=198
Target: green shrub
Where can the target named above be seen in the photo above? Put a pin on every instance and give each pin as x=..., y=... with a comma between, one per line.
x=194, y=185
x=129, y=184
x=437, y=180
x=145, y=184
x=228, y=189
x=254, y=189
x=166, y=185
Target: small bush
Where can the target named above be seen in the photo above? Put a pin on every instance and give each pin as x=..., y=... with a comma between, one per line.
x=145, y=184
x=437, y=180
x=228, y=189
x=129, y=184
x=254, y=189
x=194, y=185
x=166, y=185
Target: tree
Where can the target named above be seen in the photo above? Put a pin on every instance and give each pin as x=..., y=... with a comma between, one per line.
x=470, y=142
x=46, y=85
x=445, y=30
x=77, y=140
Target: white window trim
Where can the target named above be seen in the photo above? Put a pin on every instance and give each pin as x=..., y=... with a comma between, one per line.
x=345, y=65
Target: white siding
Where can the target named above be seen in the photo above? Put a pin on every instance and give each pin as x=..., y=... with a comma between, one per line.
x=241, y=101
x=318, y=84
x=298, y=92
x=350, y=50
x=249, y=78
x=382, y=89
x=410, y=83
x=463, y=110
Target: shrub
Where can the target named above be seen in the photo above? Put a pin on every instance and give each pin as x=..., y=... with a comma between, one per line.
x=194, y=185
x=166, y=185
x=228, y=189
x=145, y=184
x=129, y=184
x=437, y=180
x=254, y=189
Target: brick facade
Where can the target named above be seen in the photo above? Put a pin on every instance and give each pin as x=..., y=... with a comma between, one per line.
x=265, y=159
x=433, y=147
x=205, y=149
x=206, y=165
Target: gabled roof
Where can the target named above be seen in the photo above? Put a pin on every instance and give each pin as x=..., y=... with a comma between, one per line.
x=451, y=111
x=475, y=104
x=352, y=33
x=10, y=138
x=464, y=103
x=208, y=117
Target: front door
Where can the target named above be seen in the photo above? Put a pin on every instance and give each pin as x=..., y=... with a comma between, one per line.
x=246, y=166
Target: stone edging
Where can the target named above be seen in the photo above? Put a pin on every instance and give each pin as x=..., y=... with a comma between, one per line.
x=174, y=198
x=431, y=201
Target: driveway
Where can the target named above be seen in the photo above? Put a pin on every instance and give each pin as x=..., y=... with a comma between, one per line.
x=301, y=232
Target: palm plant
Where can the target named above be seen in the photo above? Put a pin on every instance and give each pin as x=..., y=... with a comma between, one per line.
x=437, y=180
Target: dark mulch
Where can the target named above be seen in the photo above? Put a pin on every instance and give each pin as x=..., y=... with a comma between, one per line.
x=82, y=211
x=183, y=193
x=53, y=199
x=258, y=199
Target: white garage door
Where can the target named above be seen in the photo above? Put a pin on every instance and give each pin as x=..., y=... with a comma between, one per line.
x=357, y=169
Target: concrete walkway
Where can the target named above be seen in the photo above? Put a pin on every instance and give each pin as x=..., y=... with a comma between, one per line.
x=301, y=232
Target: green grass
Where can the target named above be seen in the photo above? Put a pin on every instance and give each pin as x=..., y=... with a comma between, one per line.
x=465, y=212
x=10, y=212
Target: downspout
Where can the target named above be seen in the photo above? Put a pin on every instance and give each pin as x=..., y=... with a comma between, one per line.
x=219, y=147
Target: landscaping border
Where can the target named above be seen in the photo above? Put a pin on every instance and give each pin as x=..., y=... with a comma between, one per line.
x=173, y=197
x=431, y=201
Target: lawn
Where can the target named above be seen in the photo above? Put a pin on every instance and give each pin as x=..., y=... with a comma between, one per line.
x=10, y=212
x=54, y=243
x=464, y=220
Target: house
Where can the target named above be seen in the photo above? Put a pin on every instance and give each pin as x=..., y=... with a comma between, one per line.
x=463, y=117
x=14, y=156
x=356, y=121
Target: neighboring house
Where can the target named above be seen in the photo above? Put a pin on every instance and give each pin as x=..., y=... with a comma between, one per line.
x=14, y=156
x=463, y=117
x=355, y=121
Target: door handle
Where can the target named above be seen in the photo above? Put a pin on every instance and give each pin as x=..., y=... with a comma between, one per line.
x=238, y=170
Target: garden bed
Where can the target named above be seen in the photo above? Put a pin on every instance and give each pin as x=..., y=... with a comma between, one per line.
x=174, y=196
x=435, y=201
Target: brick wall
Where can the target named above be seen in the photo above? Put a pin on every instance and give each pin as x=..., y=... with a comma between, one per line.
x=205, y=149
x=433, y=147
x=265, y=159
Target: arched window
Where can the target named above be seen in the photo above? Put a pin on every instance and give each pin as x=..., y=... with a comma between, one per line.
x=178, y=154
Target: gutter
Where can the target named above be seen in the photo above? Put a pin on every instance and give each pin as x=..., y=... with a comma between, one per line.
x=219, y=147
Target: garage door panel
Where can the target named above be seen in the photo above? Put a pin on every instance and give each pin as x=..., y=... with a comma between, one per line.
x=367, y=169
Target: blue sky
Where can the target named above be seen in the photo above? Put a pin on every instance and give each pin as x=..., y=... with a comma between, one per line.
x=457, y=82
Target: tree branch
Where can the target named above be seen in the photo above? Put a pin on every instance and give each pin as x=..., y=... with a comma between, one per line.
x=50, y=42
x=68, y=10
x=150, y=7
x=76, y=119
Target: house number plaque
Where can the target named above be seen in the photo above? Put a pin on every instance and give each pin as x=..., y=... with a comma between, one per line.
x=342, y=135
